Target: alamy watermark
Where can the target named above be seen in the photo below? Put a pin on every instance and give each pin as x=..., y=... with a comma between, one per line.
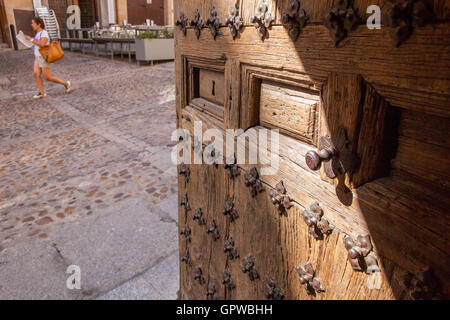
x=74, y=19
x=74, y=280
x=231, y=146
x=374, y=20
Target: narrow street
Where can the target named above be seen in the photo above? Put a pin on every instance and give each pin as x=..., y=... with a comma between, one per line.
x=86, y=180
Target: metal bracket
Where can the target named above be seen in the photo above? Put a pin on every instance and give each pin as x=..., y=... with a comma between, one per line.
x=230, y=210
x=308, y=278
x=234, y=21
x=252, y=181
x=402, y=16
x=341, y=19
x=294, y=19
x=212, y=229
x=335, y=155
x=358, y=254
x=249, y=267
x=280, y=198
x=272, y=291
x=213, y=23
x=318, y=225
x=182, y=22
x=197, y=23
x=262, y=20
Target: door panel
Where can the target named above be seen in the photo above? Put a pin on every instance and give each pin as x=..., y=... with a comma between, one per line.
x=203, y=251
x=383, y=108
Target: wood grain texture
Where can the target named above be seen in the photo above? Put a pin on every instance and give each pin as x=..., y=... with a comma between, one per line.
x=280, y=244
x=370, y=124
x=314, y=9
x=288, y=109
x=423, y=147
x=396, y=201
x=406, y=212
x=204, y=251
x=416, y=215
x=413, y=76
x=212, y=86
x=277, y=244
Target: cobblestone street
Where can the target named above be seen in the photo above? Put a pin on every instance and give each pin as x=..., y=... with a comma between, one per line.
x=86, y=179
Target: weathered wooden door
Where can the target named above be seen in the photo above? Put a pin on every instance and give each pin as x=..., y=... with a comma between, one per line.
x=356, y=205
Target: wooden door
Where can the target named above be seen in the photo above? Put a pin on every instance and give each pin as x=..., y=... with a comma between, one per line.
x=356, y=206
x=141, y=10
x=4, y=36
x=88, y=13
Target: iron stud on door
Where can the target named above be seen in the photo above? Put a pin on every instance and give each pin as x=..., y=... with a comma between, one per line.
x=227, y=281
x=307, y=277
x=198, y=215
x=252, y=181
x=294, y=19
x=197, y=23
x=212, y=229
x=198, y=275
x=318, y=225
x=280, y=198
x=262, y=20
x=230, y=249
x=182, y=22
x=249, y=268
x=234, y=21
x=272, y=291
x=213, y=23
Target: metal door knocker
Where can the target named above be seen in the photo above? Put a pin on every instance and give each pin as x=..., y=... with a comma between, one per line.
x=334, y=154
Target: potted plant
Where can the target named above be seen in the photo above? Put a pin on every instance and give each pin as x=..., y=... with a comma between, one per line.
x=155, y=45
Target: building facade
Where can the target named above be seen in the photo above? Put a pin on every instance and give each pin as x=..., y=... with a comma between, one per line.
x=18, y=13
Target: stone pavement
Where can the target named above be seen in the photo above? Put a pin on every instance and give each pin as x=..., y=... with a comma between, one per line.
x=86, y=179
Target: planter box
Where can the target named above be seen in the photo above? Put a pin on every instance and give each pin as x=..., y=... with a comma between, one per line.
x=155, y=49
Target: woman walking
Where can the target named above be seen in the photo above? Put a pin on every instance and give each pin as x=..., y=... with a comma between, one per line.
x=40, y=65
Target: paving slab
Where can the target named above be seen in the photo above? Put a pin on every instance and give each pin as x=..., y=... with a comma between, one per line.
x=115, y=245
x=158, y=283
x=34, y=270
x=170, y=206
x=111, y=248
x=82, y=176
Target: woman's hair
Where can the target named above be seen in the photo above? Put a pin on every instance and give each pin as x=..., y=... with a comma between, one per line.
x=39, y=22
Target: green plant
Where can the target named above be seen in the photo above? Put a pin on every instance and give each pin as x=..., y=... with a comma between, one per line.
x=148, y=35
x=162, y=34
x=166, y=33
